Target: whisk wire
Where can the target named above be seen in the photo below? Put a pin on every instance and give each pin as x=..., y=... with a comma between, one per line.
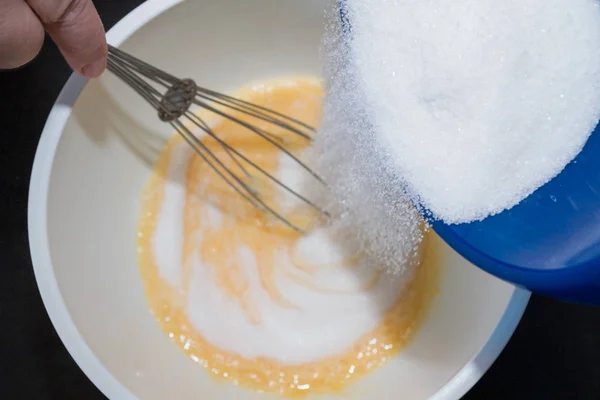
x=149, y=93
x=206, y=128
x=233, y=151
x=256, y=111
x=147, y=70
x=259, y=132
x=214, y=163
x=172, y=98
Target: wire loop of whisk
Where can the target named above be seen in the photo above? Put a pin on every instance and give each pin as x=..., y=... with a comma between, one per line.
x=172, y=98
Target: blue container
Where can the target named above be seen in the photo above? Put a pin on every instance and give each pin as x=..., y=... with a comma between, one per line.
x=550, y=242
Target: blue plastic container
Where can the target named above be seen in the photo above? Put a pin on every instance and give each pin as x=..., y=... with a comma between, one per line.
x=550, y=242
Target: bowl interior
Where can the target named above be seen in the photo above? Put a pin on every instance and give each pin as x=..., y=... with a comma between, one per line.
x=101, y=164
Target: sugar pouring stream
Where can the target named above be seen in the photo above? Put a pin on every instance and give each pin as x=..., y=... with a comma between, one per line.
x=173, y=97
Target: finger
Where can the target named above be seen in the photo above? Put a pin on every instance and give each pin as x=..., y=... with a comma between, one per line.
x=21, y=34
x=77, y=30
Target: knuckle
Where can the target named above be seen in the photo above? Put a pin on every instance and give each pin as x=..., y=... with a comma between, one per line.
x=73, y=10
x=21, y=39
x=67, y=12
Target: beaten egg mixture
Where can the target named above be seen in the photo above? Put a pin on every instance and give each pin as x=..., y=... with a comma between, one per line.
x=256, y=303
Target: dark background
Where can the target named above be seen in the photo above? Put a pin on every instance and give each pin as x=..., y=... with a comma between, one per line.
x=554, y=353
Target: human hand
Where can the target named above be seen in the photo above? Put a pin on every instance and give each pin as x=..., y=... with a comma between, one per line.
x=74, y=25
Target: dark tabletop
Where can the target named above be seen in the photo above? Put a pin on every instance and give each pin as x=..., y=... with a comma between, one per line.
x=554, y=353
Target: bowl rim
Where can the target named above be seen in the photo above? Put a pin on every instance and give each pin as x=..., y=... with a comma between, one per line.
x=48, y=286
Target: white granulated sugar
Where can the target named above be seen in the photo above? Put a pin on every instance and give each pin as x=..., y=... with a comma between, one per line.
x=327, y=317
x=169, y=224
x=366, y=200
x=329, y=308
x=474, y=103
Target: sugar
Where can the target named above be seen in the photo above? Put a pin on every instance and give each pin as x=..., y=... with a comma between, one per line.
x=169, y=224
x=345, y=300
x=335, y=300
x=366, y=198
x=463, y=106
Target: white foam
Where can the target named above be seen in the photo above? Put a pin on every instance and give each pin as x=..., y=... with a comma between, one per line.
x=474, y=103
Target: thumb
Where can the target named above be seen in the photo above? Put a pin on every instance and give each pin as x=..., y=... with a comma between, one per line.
x=77, y=30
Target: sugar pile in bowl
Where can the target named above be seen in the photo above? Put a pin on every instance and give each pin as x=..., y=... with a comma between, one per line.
x=460, y=107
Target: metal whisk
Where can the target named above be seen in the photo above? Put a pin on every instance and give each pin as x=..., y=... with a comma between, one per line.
x=172, y=98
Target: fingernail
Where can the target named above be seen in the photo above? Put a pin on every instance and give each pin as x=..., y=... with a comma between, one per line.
x=94, y=69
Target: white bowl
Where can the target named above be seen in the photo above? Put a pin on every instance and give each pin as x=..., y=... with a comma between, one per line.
x=94, y=158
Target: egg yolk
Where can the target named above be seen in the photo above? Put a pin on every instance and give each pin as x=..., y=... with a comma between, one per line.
x=242, y=224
